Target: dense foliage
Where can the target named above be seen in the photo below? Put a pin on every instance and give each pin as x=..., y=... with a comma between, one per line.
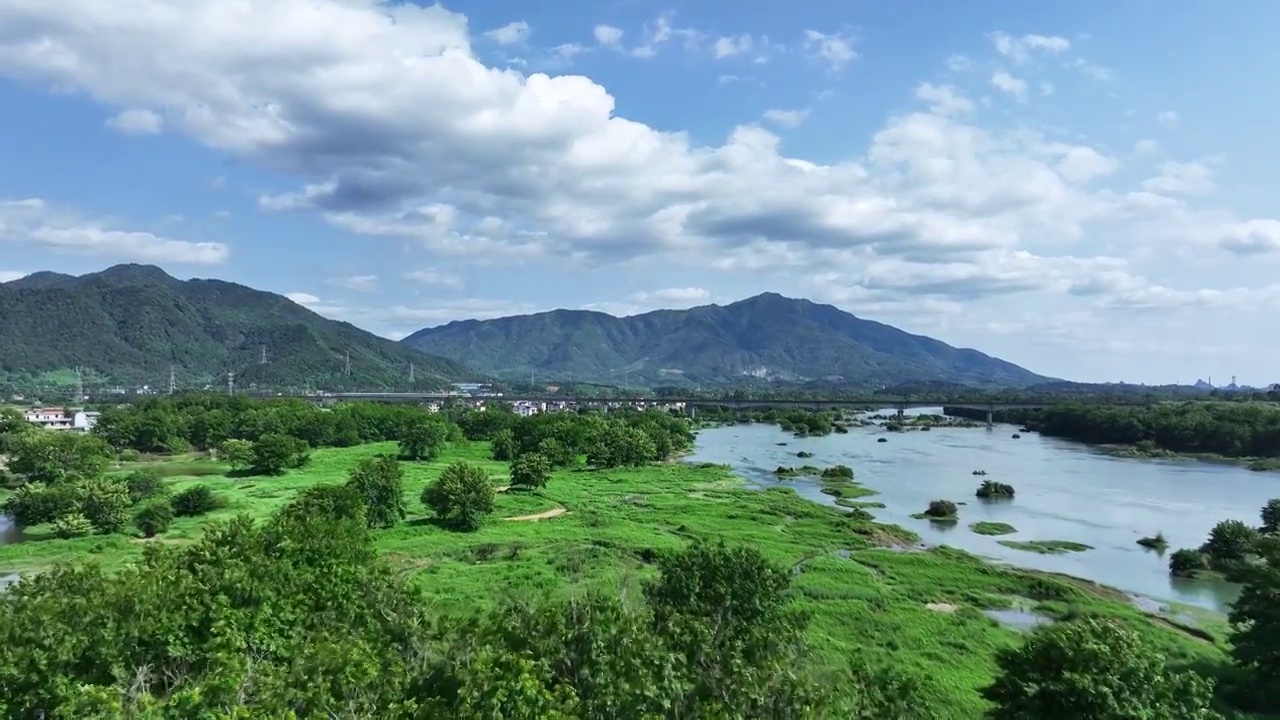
x=714, y=345
x=1256, y=619
x=621, y=438
x=379, y=481
x=1235, y=429
x=1098, y=669
x=132, y=323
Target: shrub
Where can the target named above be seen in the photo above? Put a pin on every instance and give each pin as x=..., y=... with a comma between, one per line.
x=461, y=498
x=196, y=500
x=530, y=470
x=237, y=453
x=422, y=438
x=504, y=447
x=1187, y=562
x=153, y=518
x=106, y=504
x=129, y=455
x=72, y=526
x=144, y=484
x=838, y=471
x=941, y=509
x=993, y=489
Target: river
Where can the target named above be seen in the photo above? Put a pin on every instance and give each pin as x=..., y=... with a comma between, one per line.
x=1065, y=491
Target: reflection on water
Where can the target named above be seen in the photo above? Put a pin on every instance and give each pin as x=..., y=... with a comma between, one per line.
x=1065, y=491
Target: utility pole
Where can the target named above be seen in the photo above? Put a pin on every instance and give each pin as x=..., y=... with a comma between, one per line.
x=231, y=382
x=173, y=381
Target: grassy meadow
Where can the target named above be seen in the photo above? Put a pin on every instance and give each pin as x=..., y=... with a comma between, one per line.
x=870, y=589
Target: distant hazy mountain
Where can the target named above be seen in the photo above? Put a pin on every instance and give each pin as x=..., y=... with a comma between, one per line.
x=766, y=337
x=131, y=323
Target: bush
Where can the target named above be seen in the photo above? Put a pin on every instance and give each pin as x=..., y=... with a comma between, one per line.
x=129, y=455
x=196, y=500
x=838, y=471
x=1187, y=562
x=941, y=509
x=504, y=445
x=380, y=483
x=993, y=489
x=237, y=453
x=72, y=526
x=530, y=470
x=36, y=503
x=153, y=518
x=1230, y=541
x=461, y=498
x=106, y=504
x=145, y=484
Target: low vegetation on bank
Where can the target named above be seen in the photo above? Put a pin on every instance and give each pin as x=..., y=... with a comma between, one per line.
x=1046, y=547
x=546, y=567
x=992, y=528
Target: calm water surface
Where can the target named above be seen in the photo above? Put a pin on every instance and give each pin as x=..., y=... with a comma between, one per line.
x=1065, y=491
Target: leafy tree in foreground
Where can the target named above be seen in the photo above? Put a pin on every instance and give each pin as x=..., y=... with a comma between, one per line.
x=1094, y=668
x=1271, y=517
x=530, y=470
x=1255, y=620
x=462, y=497
x=422, y=438
x=380, y=484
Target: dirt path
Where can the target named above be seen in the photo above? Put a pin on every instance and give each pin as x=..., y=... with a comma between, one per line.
x=544, y=515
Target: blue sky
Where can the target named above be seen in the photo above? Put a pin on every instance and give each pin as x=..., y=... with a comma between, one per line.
x=1084, y=188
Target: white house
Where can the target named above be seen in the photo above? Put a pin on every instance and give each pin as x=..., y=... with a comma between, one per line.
x=62, y=419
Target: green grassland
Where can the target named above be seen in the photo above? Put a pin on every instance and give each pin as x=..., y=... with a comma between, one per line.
x=870, y=588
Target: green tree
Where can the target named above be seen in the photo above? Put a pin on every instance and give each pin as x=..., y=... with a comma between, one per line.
x=237, y=453
x=274, y=453
x=55, y=457
x=422, y=438
x=106, y=504
x=1271, y=517
x=1094, y=668
x=1230, y=542
x=556, y=452
x=618, y=445
x=145, y=484
x=504, y=446
x=37, y=503
x=461, y=497
x=380, y=483
x=1255, y=621
x=153, y=518
x=530, y=470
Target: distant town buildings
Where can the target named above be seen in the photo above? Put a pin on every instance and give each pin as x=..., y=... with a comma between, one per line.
x=61, y=419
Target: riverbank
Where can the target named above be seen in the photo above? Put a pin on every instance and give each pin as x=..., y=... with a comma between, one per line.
x=870, y=588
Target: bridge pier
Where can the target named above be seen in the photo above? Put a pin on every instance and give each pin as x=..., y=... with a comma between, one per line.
x=991, y=411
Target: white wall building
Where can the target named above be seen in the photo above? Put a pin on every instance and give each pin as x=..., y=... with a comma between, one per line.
x=62, y=419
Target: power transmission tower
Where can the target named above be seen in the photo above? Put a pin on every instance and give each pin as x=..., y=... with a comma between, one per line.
x=173, y=381
x=348, y=369
x=231, y=382
x=79, y=385
x=263, y=359
x=411, y=374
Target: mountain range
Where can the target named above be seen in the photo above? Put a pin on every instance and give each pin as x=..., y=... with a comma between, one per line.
x=130, y=324
x=763, y=338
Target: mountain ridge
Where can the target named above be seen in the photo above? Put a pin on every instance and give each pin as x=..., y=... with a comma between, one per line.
x=131, y=323
x=763, y=337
